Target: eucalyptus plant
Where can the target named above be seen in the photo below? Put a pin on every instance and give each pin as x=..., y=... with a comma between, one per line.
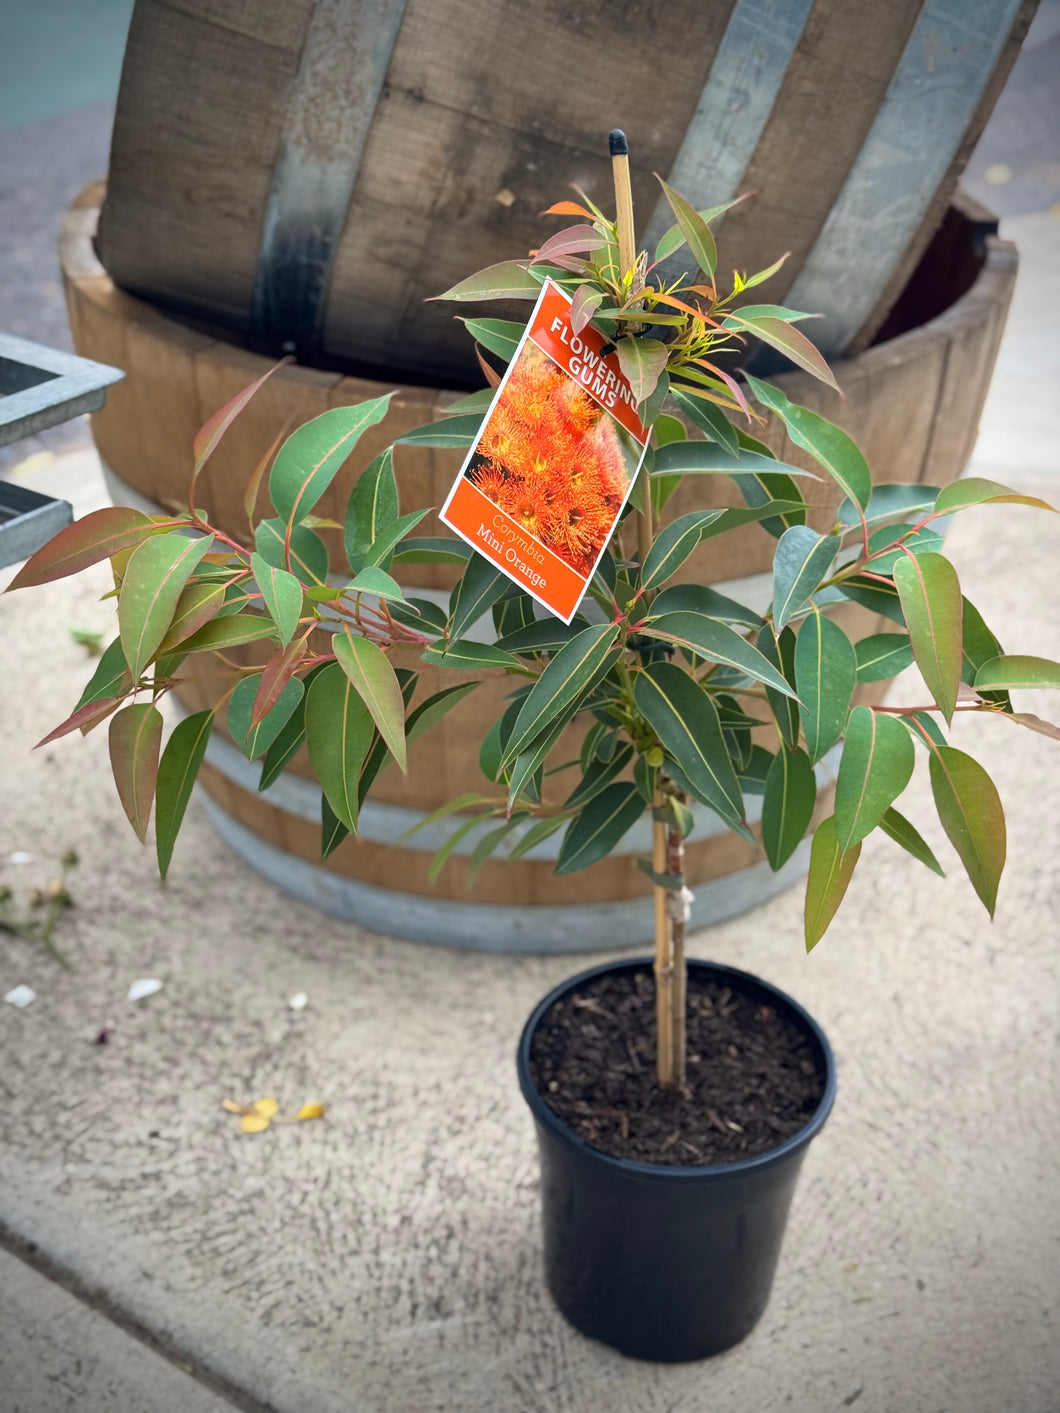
x=682, y=696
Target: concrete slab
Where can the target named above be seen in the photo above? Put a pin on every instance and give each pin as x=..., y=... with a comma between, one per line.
x=59, y=1356
x=385, y=1260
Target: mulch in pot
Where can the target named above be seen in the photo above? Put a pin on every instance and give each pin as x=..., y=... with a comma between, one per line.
x=753, y=1075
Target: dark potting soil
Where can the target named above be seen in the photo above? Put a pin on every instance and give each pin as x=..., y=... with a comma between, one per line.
x=754, y=1079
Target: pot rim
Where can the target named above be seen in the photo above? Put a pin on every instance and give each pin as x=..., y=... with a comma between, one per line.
x=665, y=1172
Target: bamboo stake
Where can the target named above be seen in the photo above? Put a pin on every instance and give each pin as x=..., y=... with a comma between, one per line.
x=664, y=963
x=677, y=909
x=627, y=249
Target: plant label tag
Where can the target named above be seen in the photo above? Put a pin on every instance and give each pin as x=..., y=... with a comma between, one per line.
x=541, y=490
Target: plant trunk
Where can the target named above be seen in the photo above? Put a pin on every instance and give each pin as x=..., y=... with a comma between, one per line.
x=677, y=907
x=664, y=963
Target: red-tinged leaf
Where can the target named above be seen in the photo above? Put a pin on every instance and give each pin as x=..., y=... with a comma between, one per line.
x=277, y=672
x=214, y=428
x=176, y=775
x=135, y=740
x=780, y=335
x=1033, y=723
x=970, y=810
x=310, y=458
x=88, y=715
x=673, y=239
x=566, y=208
x=694, y=229
x=370, y=671
x=584, y=305
x=975, y=490
x=507, y=280
x=95, y=536
x=150, y=591
x=930, y=595
x=731, y=384
x=830, y=872
x=199, y=602
x=575, y=240
x=643, y=362
x=1014, y=670
x=250, y=495
x=492, y=376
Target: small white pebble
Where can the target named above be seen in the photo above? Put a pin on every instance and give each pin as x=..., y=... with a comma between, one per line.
x=298, y=1001
x=21, y=996
x=144, y=986
x=20, y=857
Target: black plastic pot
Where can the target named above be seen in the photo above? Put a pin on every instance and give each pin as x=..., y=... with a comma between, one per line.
x=665, y=1263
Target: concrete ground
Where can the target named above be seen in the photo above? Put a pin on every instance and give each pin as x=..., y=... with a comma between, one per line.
x=386, y=1259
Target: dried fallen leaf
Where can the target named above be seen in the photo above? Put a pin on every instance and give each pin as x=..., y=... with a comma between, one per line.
x=253, y=1123
x=312, y=1111
x=257, y=1117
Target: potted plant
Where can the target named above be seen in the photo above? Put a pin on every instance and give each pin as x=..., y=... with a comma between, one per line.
x=673, y=1101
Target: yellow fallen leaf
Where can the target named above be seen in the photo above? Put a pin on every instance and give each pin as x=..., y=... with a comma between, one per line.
x=312, y=1111
x=253, y=1123
x=233, y=1107
x=264, y=1107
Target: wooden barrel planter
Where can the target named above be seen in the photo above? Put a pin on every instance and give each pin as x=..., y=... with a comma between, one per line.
x=310, y=171
x=912, y=402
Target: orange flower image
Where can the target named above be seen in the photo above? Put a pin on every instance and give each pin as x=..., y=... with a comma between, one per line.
x=554, y=460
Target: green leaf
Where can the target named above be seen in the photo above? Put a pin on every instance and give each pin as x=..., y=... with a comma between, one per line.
x=673, y=545
x=673, y=240
x=541, y=636
x=753, y=775
x=255, y=741
x=488, y=843
x=154, y=578
x=828, y=444
x=524, y=773
x=451, y=432
x=332, y=829
x=567, y=679
x=643, y=362
x=779, y=652
x=378, y=753
x=971, y=814
x=500, y=336
x=825, y=673
x=282, y=594
x=889, y=502
x=711, y=419
x=974, y=490
x=338, y=733
x=601, y=824
x=479, y=402
x=441, y=858
x=199, y=602
x=95, y=536
x=370, y=671
x=699, y=598
x=470, y=656
x=694, y=229
x=480, y=586
x=708, y=638
x=830, y=871
x=930, y=596
x=790, y=797
x=876, y=767
x=922, y=728
x=135, y=739
x=371, y=509
x=652, y=405
x=110, y=679
x=377, y=582
x=710, y=458
x=898, y=828
x=871, y=594
x=176, y=775
x=882, y=655
x=1006, y=672
x=773, y=499
x=431, y=710
x=537, y=833
x=599, y=774
x=779, y=334
x=919, y=542
x=686, y=722
x=309, y=555
x=310, y=458
x=229, y=632
x=802, y=560
x=438, y=549
x=290, y=740
x=507, y=280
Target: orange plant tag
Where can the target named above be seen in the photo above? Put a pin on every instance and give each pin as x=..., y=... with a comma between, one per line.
x=540, y=492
